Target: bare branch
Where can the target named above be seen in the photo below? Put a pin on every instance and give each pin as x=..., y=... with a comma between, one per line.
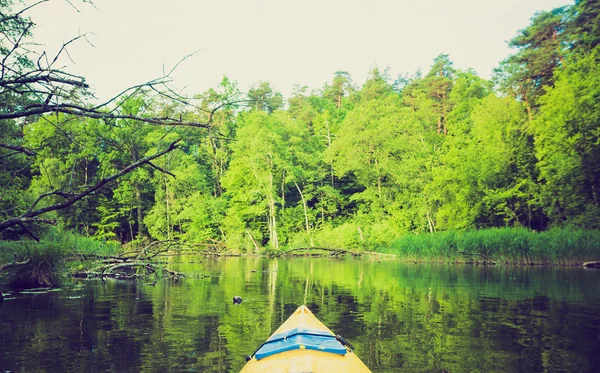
x=161, y=170
x=19, y=149
x=134, y=88
x=64, y=46
x=181, y=61
x=90, y=113
x=55, y=193
x=46, y=78
x=14, y=264
x=19, y=13
x=30, y=233
x=71, y=200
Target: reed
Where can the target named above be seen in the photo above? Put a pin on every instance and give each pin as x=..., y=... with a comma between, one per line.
x=36, y=264
x=501, y=245
x=40, y=264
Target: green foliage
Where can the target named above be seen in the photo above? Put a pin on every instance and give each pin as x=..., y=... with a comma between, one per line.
x=567, y=144
x=527, y=73
x=44, y=263
x=344, y=166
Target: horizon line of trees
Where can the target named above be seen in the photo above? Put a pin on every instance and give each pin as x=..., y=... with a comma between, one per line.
x=345, y=165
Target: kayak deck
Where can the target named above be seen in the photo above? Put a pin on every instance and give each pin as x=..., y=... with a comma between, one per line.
x=304, y=344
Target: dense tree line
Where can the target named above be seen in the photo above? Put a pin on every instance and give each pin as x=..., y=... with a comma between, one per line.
x=344, y=165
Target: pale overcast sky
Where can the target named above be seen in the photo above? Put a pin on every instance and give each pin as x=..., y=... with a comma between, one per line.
x=283, y=42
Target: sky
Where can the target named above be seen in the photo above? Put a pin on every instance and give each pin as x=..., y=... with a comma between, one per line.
x=280, y=41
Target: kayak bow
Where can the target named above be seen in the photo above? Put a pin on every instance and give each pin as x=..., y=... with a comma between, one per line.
x=304, y=344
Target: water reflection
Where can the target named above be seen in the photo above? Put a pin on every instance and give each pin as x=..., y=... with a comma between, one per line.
x=400, y=317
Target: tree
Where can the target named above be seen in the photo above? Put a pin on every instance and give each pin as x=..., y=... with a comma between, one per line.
x=567, y=144
x=438, y=84
x=529, y=72
x=263, y=97
x=583, y=28
x=342, y=86
x=33, y=85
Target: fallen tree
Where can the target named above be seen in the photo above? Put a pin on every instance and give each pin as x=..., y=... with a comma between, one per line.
x=329, y=252
x=135, y=264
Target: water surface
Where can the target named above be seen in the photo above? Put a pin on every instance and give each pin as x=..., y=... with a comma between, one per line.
x=400, y=317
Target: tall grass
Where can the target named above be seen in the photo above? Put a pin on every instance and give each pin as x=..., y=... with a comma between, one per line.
x=46, y=259
x=73, y=242
x=504, y=245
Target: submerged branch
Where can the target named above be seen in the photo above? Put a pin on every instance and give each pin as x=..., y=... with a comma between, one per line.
x=331, y=252
x=14, y=265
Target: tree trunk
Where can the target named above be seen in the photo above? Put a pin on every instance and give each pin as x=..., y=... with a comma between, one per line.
x=445, y=111
x=329, y=146
x=360, y=232
x=273, y=224
x=256, y=247
x=529, y=114
x=283, y=196
x=167, y=216
x=312, y=243
x=140, y=216
x=272, y=218
x=430, y=222
x=378, y=179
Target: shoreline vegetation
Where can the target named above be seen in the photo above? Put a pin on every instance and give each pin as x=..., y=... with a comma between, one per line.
x=25, y=264
x=435, y=166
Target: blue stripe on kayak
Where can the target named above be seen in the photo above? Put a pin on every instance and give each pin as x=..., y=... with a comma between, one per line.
x=291, y=332
x=298, y=338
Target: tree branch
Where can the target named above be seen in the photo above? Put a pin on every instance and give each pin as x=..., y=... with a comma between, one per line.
x=90, y=113
x=162, y=170
x=30, y=233
x=14, y=264
x=71, y=200
x=19, y=149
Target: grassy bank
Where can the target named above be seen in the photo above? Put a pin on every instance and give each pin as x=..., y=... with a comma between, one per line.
x=503, y=245
x=39, y=264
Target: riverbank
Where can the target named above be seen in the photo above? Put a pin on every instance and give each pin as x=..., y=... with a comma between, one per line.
x=500, y=246
x=32, y=264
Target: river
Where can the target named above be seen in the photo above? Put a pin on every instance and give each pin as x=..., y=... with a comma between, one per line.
x=400, y=317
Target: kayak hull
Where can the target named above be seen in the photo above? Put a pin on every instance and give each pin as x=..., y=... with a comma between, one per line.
x=303, y=359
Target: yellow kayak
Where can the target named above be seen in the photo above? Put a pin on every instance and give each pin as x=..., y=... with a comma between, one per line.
x=304, y=344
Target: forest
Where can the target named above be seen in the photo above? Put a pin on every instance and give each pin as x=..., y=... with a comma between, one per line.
x=348, y=165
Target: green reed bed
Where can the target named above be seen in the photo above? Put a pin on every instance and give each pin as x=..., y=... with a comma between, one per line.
x=502, y=245
x=33, y=264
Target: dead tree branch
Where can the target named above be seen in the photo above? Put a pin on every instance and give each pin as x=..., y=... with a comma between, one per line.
x=19, y=149
x=161, y=170
x=14, y=265
x=34, y=85
x=72, y=199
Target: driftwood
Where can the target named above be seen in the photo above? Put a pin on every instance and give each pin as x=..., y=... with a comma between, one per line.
x=131, y=265
x=210, y=246
x=331, y=252
x=594, y=264
x=14, y=265
x=486, y=260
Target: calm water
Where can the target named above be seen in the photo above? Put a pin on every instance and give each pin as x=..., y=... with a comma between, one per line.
x=400, y=317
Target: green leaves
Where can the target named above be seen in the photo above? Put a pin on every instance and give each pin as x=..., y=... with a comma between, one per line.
x=567, y=144
x=346, y=165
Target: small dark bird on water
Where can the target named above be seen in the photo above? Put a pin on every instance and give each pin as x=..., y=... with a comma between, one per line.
x=237, y=299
